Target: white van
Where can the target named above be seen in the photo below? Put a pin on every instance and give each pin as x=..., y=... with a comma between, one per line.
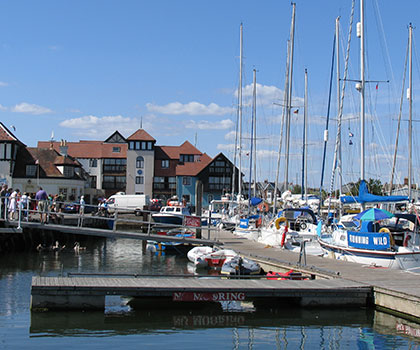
x=128, y=203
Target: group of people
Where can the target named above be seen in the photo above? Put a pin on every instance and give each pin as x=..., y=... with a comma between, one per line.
x=11, y=200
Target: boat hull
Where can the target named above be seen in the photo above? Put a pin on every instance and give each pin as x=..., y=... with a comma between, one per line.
x=403, y=259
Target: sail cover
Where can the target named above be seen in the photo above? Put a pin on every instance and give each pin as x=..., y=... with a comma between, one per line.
x=366, y=197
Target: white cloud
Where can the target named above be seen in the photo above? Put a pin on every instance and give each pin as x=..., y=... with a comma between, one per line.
x=30, y=109
x=2, y=83
x=2, y=108
x=210, y=125
x=191, y=108
x=91, y=126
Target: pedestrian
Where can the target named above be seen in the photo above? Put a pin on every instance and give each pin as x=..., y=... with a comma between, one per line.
x=3, y=192
x=13, y=204
x=24, y=205
x=82, y=205
x=41, y=198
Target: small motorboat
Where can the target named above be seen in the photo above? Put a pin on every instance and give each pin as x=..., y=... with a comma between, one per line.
x=217, y=258
x=182, y=232
x=238, y=266
x=197, y=254
x=171, y=214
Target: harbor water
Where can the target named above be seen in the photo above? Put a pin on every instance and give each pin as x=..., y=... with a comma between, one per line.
x=233, y=326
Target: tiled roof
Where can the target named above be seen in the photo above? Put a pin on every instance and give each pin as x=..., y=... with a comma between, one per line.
x=193, y=168
x=89, y=149
x=140, y=135
x=6, y=134
x=47, y=159
x=174, y=152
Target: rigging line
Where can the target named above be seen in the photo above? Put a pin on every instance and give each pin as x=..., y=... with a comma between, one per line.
x=328, y=117
x=343, y=89
x=399, y=123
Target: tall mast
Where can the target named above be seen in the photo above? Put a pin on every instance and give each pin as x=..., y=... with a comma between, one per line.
x=289, y=93
x=240, y=113
x=255, y=131
x=251, y=155
x=337, y=43
x=362, y=90
x=305, y=139
x=410, y=100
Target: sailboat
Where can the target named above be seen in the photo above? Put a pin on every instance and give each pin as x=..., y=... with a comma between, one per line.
x=383, y=239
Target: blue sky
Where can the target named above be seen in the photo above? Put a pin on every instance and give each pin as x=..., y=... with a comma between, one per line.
x=83, y=69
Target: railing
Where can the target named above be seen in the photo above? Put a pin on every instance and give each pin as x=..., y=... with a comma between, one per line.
x=59, y=213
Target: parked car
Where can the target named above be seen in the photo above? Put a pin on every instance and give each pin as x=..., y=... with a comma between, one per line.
x=73, y=208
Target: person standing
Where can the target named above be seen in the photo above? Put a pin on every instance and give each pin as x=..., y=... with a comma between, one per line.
x=13, y=204
x=82, y=205
x=3, y=201
x=24, y=205
x=41, y=198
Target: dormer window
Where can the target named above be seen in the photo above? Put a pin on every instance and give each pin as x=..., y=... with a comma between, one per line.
x=186, y=158
x=68, y=171
x=31, y=170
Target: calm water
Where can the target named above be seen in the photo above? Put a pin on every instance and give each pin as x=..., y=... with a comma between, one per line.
x=237, y=327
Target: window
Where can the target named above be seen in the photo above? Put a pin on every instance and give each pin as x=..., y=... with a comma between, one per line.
x=150, y=145
x=114, y=165
x=114, y=182
x=137, y=145
x=31, y=170
x=140, y=162
x=93, y=163
x=63, y=192
x=172, y=182
x=68, y=171
x=116, y=149
x=186, y=158
x=139, y=180
x=159, y=183
x=165, y=163
x=186, y=181
x=131, y=145
x=92, y=181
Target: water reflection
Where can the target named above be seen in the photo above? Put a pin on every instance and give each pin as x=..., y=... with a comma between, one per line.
x=226, y=327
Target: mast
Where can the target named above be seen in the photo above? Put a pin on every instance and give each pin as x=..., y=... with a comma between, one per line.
x=289, y=92
x=251, y=158
x=410, y=100
x=238, y=126
x=305, y=142
x=340, y=176
x=362, y=89
x=240, y=114
x=255, y=131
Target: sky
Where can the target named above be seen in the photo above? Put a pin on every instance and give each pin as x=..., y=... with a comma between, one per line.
x=80, y=70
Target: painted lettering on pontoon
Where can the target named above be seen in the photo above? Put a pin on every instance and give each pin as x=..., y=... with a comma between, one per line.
x=218, y=296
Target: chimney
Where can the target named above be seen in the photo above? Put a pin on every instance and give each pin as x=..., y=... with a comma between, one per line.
x=63, y=148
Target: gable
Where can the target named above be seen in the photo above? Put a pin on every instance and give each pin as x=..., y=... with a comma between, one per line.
x=116, y=137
